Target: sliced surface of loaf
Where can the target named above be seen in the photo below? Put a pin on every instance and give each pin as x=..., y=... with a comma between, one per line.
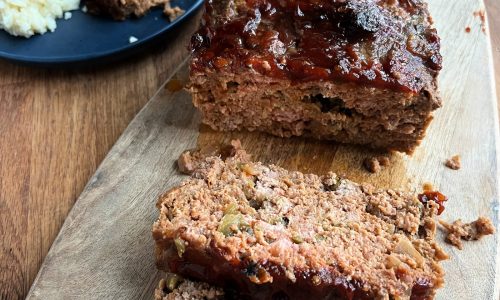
x=355, y=71
x=174, y=288
x=274, y=234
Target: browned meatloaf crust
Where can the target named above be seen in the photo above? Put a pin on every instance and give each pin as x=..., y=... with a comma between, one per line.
x=273, y=234
x=353, y=71
x=121, y=9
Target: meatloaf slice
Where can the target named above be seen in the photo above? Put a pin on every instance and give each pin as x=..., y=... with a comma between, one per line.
x=121, y=9
x=274, y=234
x=353, y=71
x=175, y=288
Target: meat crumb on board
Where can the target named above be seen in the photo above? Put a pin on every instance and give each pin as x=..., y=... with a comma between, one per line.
x=482, y=16
x=188, y=161
x=458, y=231
x=376, y=163
x=453, y=162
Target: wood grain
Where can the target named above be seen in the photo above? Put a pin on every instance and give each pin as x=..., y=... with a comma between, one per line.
x=14, y=186
x=35, y=201
x=56, y=127
x=116, y=208
x=105, y=242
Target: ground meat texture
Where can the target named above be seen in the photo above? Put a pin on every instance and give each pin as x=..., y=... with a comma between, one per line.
x=186, y=290
x=453, y=162
x=354, y=71
x=172, y=12
x=122, y=9
x=274, y=234
x=458, y=231
x=189, y=160
x=372, y=165
x=375, y=164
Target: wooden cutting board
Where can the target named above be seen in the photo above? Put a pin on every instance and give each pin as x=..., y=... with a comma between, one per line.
x=105, y=248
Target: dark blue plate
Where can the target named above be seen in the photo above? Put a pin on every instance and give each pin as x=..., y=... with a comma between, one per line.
x=85, y=37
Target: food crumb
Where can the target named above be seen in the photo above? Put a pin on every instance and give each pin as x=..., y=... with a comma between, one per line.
x=375, y=164
x=427, y=186
x=453, y=162
x=172, y=12
x=384, y=161
x=67, y=15
x=84, y=9
x=467, y=29
x=458, y=231
x=188, y=161
x=132, y=39
x=482, y=17
x=234, y=149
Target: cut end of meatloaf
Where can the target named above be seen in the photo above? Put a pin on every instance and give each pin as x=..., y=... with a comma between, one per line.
x=270, y=233
x=122, y=9
x=361, y=72
x=174, y=287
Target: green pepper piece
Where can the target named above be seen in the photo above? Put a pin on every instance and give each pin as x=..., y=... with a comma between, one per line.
x=229, y=220
x=181, y=247
x=173, y=281
x=231, y=209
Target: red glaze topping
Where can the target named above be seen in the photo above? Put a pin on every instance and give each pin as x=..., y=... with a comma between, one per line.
x=380, y=43
x=433, y=196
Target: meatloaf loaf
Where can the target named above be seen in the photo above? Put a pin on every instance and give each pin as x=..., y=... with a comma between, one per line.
x=353, y=71
x=274, y=234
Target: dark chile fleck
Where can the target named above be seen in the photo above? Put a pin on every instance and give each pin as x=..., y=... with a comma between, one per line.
x=251, y=269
